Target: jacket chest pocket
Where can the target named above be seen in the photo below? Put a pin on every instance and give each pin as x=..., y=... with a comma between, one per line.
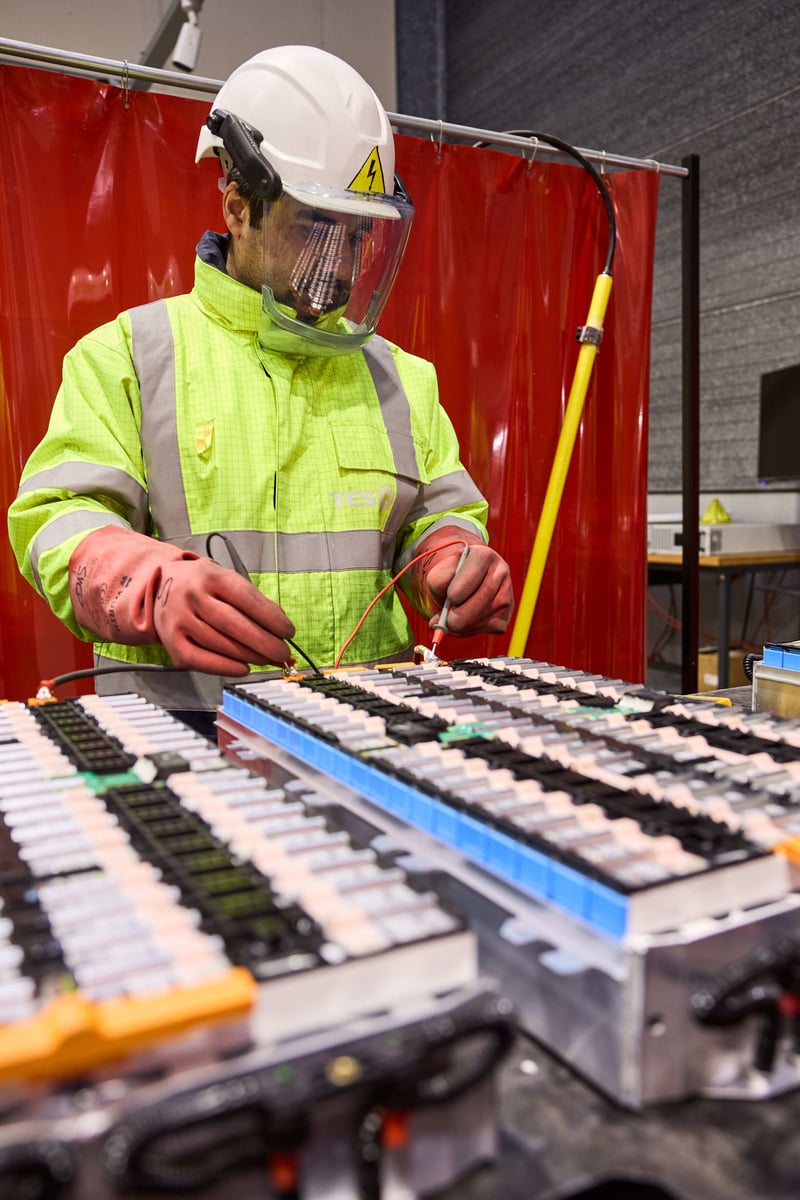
x=378, y=472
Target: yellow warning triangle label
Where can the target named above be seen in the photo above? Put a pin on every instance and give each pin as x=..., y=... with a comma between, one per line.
x=370, y=176
x=715, y=514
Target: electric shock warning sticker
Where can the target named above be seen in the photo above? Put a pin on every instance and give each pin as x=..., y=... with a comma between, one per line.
x=369, y=177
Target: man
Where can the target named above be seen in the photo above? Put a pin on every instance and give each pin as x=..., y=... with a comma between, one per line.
x=260, y=422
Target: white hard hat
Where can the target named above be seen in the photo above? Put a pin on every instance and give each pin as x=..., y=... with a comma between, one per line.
x=329, y=154
x=321, y=122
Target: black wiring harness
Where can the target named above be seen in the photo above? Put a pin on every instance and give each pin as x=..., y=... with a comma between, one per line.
x=766, y=984
x=193, y=1139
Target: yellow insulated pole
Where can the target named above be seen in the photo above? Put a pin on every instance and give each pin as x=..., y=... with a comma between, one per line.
x=563, y=456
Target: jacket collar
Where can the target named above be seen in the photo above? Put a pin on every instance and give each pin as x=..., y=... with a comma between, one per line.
x=230, y=302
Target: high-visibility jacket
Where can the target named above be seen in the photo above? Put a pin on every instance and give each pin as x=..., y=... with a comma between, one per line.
x=324, y=472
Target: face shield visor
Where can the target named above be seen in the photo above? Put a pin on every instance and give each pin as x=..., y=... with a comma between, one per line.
x=330, y=260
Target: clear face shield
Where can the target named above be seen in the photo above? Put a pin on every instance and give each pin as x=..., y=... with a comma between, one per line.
x=330, y=260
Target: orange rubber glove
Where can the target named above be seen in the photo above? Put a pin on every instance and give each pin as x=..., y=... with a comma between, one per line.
x=132, y=589
x=481, y=597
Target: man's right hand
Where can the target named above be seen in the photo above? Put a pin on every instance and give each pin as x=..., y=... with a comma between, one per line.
x=135, y=590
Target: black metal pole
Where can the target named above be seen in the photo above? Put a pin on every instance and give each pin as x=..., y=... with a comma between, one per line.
x=690, y=272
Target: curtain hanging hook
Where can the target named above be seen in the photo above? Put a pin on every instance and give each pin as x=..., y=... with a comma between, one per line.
x=603, y=163
x=439, y=140
x=655, y=164
x=126, y=83
x=535, y=142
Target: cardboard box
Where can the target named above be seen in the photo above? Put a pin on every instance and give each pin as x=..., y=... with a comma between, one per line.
x=708, y=669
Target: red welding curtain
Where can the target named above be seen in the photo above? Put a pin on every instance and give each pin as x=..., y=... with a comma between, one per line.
x=101, y=207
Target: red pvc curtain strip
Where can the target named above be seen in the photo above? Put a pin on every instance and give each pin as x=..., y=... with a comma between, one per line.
x=101, y=208
x=502, y=261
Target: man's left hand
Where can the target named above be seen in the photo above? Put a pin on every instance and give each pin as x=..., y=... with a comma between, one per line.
x=480, y=592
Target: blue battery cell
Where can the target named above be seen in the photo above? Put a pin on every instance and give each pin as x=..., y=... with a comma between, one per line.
x=786, y=656
x=607, y=910
x=567, y=888
x=502, y=855
x=541, y=876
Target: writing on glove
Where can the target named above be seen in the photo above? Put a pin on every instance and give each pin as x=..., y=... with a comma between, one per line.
x=132, y=589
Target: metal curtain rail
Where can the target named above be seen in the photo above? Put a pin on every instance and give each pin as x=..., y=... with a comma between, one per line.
x=134, y=73
x=605, y=159
x=688, y=172
x=88, y=64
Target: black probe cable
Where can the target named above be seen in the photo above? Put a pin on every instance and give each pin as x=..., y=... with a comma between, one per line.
x=242, y=570
x=597, y=178
x=88, y=672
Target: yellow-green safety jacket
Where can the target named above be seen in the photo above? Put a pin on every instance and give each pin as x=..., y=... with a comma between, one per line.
x=324, y=472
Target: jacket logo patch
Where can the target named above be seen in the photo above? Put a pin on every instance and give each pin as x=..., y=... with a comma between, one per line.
x=204, y=437
x=380, y=499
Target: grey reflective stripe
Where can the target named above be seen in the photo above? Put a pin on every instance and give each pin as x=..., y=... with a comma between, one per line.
x=395, y=409
x=445, y=523
x=153, y=354
x=396, y=413
x=60, y=529
x=348, y=550
x=170, y=689
x=89, y=479
x=452, y=491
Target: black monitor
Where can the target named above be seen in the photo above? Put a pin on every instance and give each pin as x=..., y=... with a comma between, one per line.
x=779, y=426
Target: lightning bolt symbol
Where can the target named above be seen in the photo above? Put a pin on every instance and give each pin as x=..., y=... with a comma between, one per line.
x=371, y=176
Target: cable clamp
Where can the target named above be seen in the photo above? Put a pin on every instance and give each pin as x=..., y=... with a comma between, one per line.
x=589, y=333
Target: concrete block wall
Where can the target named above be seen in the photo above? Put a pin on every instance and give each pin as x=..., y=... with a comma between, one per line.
x=648, y=79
